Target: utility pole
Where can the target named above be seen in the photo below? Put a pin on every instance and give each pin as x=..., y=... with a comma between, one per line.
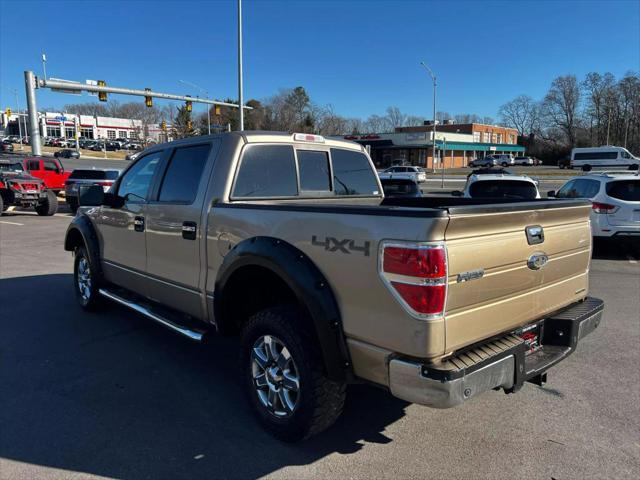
x=444, y=151
x=435, y=86
x=240, y=101
x=15, y=91
x=34, y=129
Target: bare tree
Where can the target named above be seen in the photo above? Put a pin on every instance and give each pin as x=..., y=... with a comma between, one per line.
x=561, y=105
x=395, y=118
x=521, y=113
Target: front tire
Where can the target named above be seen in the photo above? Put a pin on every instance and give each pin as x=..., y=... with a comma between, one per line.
x=86, y=280
x=586, y=168
x=49, y=206
x=283, y=376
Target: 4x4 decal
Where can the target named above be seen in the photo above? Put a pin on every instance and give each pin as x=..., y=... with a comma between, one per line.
x=345, y=245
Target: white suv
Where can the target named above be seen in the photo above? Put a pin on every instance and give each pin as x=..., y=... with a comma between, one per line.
x=616, y=202
x=497, y=183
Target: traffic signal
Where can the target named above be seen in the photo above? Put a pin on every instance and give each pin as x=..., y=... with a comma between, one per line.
x=148, y=101
x=216, y=110
x=189, y=124
x=163, y=126
x=188, y=105
x=8, y=112
x=102, y=96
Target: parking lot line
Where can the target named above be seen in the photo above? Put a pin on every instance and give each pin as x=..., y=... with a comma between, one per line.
x=12, y=223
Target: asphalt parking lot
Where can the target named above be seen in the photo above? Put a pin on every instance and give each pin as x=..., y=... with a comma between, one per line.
x=113, y=395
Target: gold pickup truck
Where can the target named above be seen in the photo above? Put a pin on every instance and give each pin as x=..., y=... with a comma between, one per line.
x=288, y=241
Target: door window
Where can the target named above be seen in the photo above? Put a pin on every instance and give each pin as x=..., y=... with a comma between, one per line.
x=182, y=178
x=33, y=165
x=50, y=166
x=136, y=182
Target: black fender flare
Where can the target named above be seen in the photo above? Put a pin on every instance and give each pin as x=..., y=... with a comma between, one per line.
x=308, y=284
x=82, y=231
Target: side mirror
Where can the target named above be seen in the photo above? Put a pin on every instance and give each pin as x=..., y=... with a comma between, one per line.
x=112, y=200
x=457, y=193
x=90, y=195
x=551, y=193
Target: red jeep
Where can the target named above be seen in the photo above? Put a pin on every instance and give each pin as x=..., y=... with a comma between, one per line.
x=50, y=170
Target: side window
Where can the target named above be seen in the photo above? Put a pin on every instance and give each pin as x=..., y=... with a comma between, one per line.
x=314, y=171
x=135, y=183
x=181, y=180
x=352, y=173
x=50, y=166
x=267, y=171
x=587, y=188
x=33, y=165
x=567, y=191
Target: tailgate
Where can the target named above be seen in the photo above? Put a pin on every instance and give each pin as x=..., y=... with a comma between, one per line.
x=494, y=283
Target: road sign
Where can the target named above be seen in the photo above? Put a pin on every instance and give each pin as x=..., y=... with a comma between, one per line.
x=92, y=82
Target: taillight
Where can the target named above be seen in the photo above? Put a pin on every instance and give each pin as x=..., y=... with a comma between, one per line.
x=104, y=184
x=603, y=207
x=416, y=274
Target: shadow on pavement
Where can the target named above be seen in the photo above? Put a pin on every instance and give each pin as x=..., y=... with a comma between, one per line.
x=113, y=394
x=616, y=249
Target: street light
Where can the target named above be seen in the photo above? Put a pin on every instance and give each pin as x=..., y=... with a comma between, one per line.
x=206, y=95
x=435, y=85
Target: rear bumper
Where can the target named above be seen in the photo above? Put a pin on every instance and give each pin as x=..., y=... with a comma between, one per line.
x=508, y=368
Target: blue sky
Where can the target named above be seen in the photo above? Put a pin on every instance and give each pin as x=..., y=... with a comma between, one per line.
x=359, y=56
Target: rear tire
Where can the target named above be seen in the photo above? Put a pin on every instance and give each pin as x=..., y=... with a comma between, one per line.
x=86, y=280
x=2, y=207
x=49, y=206
x=283, y=376
x=586, y=168
x=73, y=205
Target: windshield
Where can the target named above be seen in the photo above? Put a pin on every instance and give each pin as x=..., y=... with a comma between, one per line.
x=11, y=167
x=89, y=174
x=503, y=189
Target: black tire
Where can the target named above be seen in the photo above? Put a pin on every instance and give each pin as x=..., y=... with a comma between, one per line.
x=49, y=206
x=88, y=297
x=504, y=164
x=586, y=168
x=318, y=400
x=634, y=167
x=2, y=207
x=73, y=205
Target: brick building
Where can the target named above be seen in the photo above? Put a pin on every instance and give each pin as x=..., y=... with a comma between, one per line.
x=456, y=144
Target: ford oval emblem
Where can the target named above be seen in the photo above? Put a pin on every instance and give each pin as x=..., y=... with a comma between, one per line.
x=537, y=261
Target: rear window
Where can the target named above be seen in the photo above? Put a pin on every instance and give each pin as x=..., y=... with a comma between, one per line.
x=628, y=190
x=314, y=171
x=267, y=171
x=111, y=174
x=398, y=187
x=88, y=174
x=352, y=173
x=503, y=189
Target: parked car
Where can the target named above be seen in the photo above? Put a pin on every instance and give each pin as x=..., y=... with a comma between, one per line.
x=102, y=178
x=499, y=184
x=49, y=170
x=524, y=161
x=487, y=161
x=615, y=198
x=18, y=188
x=66, y=153
x=60, y=142
x=400, y=187
x=101, y=145
x=504, y=159
x=132, y=156
x=6, y=147
x=416, y=174
x=327, y=281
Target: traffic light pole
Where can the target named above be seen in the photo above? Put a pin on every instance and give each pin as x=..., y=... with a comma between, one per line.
x=34, y=129
x=32, y=82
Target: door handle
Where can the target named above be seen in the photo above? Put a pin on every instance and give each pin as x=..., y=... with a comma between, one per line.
x=138, y=224
x=189, y=230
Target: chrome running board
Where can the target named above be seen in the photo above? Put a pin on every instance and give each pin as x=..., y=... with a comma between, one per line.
x=191, y=334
